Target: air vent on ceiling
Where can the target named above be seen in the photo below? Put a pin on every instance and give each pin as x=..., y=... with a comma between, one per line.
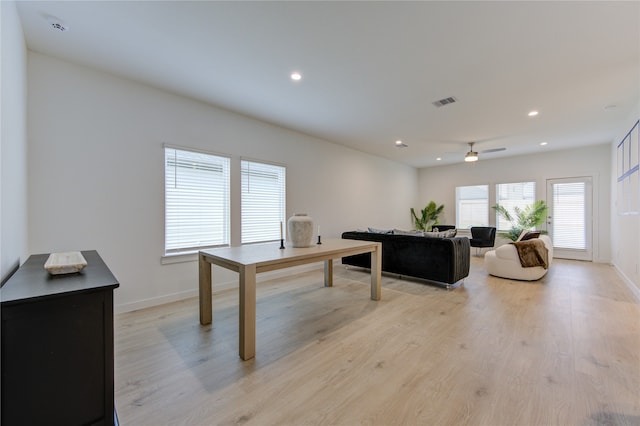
x=445, y=101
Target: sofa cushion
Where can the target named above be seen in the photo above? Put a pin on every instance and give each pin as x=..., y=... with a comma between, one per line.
x=530, y=235
x=527, y=235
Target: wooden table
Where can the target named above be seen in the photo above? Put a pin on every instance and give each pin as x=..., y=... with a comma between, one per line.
x=250, y=260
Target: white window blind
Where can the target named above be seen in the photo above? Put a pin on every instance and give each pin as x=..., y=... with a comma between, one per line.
x=263, y=201
x=472, y=206
x=196, y=200
x=511, y=195
x=569, y=222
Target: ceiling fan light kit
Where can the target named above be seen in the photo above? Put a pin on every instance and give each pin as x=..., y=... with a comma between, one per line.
x=471, y=155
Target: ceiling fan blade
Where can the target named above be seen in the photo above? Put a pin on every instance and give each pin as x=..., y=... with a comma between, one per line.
x=487, y=151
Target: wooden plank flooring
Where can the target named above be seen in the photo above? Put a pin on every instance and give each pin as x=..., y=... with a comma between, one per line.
x=561, y=351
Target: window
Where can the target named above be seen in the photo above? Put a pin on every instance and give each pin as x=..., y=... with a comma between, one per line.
x=628, y=175
x=196, y=200
x=472, y=206
x=511, y=195
x=263, y=201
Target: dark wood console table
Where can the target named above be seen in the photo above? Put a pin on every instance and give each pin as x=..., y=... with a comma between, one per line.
x=57, y=345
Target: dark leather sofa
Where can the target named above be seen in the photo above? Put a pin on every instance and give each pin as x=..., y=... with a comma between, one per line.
x=444, y=261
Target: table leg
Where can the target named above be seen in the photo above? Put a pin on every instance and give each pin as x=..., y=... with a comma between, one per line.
x=205, y=291
x=376, y=273
x=328, y=273
x=247, y=330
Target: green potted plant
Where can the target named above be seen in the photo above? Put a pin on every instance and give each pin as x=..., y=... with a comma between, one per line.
x=428, y=216
x=528, y=218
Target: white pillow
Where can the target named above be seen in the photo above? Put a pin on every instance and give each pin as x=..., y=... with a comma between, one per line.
x=380, y=231
x=441, y=234
x=412, y=232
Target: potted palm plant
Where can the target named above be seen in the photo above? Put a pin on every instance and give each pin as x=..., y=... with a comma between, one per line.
x=527, y=218
x=428, y=216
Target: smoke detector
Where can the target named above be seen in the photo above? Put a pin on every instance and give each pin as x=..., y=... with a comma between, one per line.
x=56, y=23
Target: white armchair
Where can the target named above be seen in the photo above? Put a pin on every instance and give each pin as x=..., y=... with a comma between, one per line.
x=504, y=262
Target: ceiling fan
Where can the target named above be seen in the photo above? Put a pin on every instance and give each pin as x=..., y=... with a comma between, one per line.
x=473, y=155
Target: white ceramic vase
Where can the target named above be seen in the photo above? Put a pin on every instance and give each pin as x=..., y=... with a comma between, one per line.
x=300, y=228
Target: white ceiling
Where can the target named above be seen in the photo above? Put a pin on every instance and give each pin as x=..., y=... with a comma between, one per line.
x=371, y=70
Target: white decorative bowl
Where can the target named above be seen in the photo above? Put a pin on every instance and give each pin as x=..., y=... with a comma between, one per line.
x=65, y=263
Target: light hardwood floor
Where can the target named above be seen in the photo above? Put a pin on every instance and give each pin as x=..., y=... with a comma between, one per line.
x=561, y=351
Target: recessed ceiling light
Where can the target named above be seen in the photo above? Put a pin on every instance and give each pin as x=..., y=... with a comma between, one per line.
x=533, y=113
x=438, y=159
x=543, y=143
x=400, y=144
x=296, y=76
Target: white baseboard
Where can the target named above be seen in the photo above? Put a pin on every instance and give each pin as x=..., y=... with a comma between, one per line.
x=154, y=301
x=630, y=284
x=217, y=287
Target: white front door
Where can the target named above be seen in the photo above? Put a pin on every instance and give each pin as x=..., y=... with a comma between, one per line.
x=569, y=219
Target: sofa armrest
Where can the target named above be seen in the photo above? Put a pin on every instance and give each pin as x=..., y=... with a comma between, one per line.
x=461, y=258
x=549, y=244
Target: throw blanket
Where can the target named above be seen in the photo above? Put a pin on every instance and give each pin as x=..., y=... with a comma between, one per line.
x=532, y=253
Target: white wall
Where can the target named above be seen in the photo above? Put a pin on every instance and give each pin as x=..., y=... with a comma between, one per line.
x=625, y=230
x=13, y=142
x=439, y=183
x=96, y=174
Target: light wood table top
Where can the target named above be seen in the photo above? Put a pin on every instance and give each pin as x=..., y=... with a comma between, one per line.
x=268, y=257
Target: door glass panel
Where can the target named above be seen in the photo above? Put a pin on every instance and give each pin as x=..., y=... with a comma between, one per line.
x=569, y=222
